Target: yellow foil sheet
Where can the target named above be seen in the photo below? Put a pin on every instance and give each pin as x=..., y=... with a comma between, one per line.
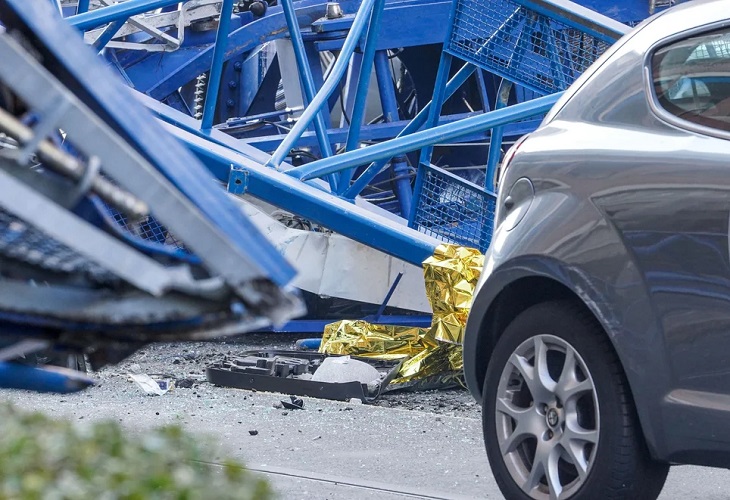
x=451, y=275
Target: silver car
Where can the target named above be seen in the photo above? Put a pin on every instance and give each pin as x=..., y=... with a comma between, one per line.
x=599, y=337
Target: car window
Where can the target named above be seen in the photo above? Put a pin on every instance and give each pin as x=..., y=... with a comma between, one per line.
x=691, y=79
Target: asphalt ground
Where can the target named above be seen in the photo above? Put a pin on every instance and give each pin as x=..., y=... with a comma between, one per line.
x=409, y=445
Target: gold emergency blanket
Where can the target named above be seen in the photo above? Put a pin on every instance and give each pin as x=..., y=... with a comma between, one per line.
x=451, y=276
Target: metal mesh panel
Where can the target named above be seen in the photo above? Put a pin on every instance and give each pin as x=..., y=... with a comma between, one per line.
x=518, y=44
x=452, y=209
x=24, y=243
x=148, y=229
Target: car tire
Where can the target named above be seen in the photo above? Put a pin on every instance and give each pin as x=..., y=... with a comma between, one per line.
x=573, y=416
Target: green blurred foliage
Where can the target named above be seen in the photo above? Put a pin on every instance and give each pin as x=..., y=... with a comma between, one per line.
x=42, y=458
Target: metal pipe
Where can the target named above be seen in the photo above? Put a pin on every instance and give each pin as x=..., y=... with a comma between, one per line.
x=307, y=81
x=437, y=102
x=66, y=165
x=107, y=35
x=452, y=86
x=399, y=164
x=58, y=6
x=82, y=7
x=417, y=140
x=216, y=68
x=495, y=141
x=363, y=85
x=373, y=170
x=329, y=86
x=58, y=380
x=124, y=10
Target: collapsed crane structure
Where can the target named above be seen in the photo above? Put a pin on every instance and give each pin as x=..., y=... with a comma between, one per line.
x=348, y=140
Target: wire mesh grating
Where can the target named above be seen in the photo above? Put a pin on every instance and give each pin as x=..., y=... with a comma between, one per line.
x=452, y=209
x=148, y=229
x=521, y=45
x=22, y=242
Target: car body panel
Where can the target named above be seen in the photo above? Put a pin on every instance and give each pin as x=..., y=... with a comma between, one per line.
x=630, y=212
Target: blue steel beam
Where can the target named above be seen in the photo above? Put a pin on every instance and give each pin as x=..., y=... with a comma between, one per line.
x=30, y=378
x=363, y=85
x=267, y=143
x=408, y=24
x=399, y=165
x=251, y=177
x=495, y=144
x=216, y=69
x=418, y=140
x=110, y=99
x=159, y=75
x=437, y=101
x=384, y=131
x=329, y=86
x=219, y=152
x=83, y=6
x=307, y=82
x=373, y=170
x=124, y=10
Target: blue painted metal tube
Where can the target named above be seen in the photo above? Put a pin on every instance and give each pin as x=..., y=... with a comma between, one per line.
x=59, y=380
x=363, y=85
x=57, y=5
x=329, y=86
x=437, y=101
x=417, y=140
x=307, y=82
x=216, y=69
x=108, y=34
x=124, y=10
x=305, y=72
x=399, y=164
x=373, y=170
x=495, y=141
x=252, y=177
x=82, y=7
x=309, y=344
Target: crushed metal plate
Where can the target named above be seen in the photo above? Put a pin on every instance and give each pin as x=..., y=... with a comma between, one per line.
x=290, y=372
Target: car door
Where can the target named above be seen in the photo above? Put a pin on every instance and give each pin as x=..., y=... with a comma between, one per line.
x=682, y=239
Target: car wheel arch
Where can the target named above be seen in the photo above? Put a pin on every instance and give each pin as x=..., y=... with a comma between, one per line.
x=522, y=287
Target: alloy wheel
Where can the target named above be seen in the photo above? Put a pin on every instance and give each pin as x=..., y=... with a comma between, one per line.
x=547, y=418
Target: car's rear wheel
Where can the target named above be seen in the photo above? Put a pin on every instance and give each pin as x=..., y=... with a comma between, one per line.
x=558, y=416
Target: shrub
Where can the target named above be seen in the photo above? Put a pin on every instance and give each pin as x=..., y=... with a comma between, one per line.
x=54, y=459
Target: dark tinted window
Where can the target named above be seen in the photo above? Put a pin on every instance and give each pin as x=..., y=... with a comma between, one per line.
x=692, y=79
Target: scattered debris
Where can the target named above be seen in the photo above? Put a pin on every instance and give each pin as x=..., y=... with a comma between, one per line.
x=296, y=403
x=150, y=385
x=185, y=383
x=341, y=369
x=305, y=374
